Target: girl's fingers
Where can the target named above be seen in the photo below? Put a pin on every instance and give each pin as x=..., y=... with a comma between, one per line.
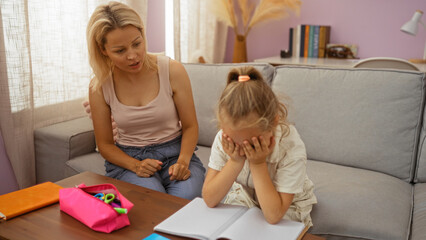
x=230, y=144
x=247, y=149
x=271, y=144
x=237, y=148
x=256, y=144
x=263, y=143
x=224, y=141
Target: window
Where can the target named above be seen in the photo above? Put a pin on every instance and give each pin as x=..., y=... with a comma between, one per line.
x=46, y=52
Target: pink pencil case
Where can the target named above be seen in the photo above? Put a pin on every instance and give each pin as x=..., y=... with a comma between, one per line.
x=80, y=203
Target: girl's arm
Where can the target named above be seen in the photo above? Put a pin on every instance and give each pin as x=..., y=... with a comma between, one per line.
x=184, y=102
x=217, y=183
x=273, y=203
x=101, y=116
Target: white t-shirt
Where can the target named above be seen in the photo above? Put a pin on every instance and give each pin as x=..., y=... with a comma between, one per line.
x=286, y=167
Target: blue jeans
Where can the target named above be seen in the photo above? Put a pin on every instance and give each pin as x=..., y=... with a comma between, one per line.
x=167, y=153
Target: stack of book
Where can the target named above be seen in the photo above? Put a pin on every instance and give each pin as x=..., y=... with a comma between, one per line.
x=310, y=40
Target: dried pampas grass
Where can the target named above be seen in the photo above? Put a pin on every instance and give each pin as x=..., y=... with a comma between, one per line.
x=266, y=10
x=224, y=11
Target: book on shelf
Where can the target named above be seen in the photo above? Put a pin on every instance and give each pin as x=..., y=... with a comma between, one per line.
x=290, y=41
x=28, y=199
x=296, y=41
x=307, y=36
x=196, y=220
x=324, y=38
x=315, y=42
x=310, y=40
x=302, y=40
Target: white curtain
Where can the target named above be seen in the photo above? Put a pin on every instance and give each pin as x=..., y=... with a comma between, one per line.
x=197, y=33
x=44, y=71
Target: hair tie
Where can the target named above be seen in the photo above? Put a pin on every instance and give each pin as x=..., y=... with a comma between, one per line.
x=243, y=78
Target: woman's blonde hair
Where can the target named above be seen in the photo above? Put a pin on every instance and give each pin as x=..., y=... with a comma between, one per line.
x=104, y=19
x=241, y=98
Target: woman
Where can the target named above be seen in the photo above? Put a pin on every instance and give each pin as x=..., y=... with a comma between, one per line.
x=150, y=99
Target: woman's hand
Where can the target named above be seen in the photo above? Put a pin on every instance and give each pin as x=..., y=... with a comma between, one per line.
x=179, y=171
x=260, y=151
x=147, y=167
x=232, y=149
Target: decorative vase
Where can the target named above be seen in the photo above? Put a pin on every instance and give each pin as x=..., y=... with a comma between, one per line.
x=240, y=49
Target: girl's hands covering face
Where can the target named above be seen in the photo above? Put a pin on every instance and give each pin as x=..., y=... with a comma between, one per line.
x=232, y=149
x=257, y=153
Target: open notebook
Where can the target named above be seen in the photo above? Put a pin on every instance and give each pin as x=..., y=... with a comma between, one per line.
x=196, y=220
x=25, y=200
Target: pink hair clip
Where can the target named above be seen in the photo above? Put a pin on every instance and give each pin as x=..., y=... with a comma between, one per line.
x=243, y=78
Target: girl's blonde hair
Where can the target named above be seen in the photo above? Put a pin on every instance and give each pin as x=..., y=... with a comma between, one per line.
x=241, y=98
x=104, y=19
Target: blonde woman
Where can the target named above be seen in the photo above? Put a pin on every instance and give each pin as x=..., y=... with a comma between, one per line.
x=150, y=99
x=258, y=158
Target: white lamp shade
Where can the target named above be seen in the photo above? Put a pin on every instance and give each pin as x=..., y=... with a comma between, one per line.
x=411, y=26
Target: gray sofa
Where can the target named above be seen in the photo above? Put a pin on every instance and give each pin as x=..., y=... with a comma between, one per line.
x=364, y=132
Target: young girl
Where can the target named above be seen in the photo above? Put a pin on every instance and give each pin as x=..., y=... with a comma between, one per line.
x=150, y=99
x=258, y=158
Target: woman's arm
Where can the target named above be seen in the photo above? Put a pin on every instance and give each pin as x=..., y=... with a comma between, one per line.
x=101, y=116
x=184, y=102
x=86, y=106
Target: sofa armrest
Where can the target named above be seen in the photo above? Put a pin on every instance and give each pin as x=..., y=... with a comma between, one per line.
x=58, y=143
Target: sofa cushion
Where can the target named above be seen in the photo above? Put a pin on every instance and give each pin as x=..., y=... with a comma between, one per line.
x=203, y=153
x=365, y=118
x=419, y=212
x=359, y=204
x=92, y=162
x=208, y=81
x=57, y=143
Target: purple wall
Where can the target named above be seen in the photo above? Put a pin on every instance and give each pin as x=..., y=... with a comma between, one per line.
x=371, y=24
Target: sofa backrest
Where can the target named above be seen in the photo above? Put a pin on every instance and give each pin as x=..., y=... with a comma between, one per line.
x=365, y=118
x=420, y=174
x=208, y=82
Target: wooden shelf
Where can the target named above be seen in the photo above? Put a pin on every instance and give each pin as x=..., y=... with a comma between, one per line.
x=322, y=62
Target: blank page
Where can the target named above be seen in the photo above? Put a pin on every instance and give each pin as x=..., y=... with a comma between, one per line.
x=253, y=225
x=196, y=220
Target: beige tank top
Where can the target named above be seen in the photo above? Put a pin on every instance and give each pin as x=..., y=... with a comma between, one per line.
x=154, y=123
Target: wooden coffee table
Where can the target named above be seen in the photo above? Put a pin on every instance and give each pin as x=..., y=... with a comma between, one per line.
x=150, y=208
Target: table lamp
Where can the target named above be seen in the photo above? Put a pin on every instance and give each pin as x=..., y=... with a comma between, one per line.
x=410, y=27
